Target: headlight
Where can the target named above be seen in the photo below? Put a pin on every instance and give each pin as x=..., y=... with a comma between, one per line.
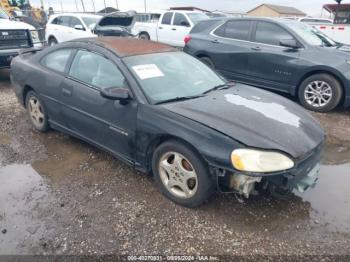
x=35, y=36
x=251, y=160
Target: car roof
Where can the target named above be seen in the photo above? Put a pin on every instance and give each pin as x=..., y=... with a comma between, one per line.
x=76, y=15
x=274, y=19
x=124, y=46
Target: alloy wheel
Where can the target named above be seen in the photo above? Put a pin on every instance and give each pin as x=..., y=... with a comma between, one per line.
x=178, y=175
x=318, y=93
x=36, y=112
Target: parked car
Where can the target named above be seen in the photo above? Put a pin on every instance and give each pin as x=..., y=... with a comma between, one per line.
x=276, y=54
x=116, y=24
x=14, y=36
x=65, y=27
x=171, y=28
x=147, y=104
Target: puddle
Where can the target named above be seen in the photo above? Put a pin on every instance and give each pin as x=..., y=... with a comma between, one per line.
x=330, y=199
x=23, y=199
x=4, y=139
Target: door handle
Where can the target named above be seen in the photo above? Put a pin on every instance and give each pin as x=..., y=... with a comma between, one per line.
x=66, y=92
x=160, y=27
x=215, y=41
x=257, y=48
x=174, y=29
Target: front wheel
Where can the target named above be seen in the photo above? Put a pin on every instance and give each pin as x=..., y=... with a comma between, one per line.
x=52, y=41
x=320, y=93
x=181, y=174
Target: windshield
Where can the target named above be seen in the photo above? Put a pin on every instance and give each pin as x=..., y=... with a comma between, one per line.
x=3, y=15
x=165, y=76
x=196, y=17
x=311, y=35
x=90, y=22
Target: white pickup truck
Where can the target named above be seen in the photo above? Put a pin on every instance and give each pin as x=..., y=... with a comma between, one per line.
x=15, y=36
x=170, y=28
x=339, y=31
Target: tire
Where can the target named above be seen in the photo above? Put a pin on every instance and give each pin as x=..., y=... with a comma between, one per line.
x=187, y=180
x=52, y=41
x=324, y=89
x=206, y=60
x=144, y=36
x=37, y=112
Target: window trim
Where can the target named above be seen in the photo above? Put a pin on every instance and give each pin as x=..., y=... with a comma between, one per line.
x=253, y=35
x=67, y=64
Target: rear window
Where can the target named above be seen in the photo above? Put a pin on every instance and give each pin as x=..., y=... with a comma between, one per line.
x=116, y=21
x=57, y=60
x=64, y=20
x=239, y=30
x=203, y=25
x=167, y=18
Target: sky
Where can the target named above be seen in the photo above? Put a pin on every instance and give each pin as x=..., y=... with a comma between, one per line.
x=311, y=7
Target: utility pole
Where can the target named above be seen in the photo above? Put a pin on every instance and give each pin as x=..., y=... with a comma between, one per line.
x=82, y=3
x=76, y=6
x=93, y=6
x=116, y=3
x=105, y=6
x=145, y=6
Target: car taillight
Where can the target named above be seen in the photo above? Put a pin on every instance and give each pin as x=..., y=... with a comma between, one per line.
x=187, y=39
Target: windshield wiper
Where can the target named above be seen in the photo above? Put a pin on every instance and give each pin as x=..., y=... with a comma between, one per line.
x=219, y=87
x=177, y=99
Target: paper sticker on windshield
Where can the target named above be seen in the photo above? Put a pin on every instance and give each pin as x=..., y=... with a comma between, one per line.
x=147, y=71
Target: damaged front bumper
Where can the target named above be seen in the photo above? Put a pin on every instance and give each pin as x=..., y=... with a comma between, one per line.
x=303, y=176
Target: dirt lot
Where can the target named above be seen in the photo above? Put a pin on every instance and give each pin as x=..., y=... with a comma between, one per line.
x=59, y=195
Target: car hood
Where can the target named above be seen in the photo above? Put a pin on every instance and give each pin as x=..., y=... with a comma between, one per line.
x=9, y=24
x=256, y=118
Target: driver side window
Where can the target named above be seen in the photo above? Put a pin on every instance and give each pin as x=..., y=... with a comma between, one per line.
x=96, y=70
x=75, y=22
x=271, y=34
x=180, y=20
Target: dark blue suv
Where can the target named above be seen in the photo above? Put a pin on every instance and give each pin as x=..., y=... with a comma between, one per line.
x=276, y=54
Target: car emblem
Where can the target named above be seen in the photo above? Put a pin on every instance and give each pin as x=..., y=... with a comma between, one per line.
x=5, y=33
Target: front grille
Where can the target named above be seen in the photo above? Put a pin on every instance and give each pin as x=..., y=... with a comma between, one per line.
x=14, y=39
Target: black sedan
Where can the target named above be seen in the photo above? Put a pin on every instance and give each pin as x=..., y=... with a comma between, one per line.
x=164, y=112
x=277, y=54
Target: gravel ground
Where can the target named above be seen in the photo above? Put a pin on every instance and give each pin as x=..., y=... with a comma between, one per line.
x=62, y=196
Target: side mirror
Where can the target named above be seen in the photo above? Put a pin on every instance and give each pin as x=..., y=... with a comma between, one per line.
x=291, y=43
x=184, y=23
x=79, y=27
x=115, y=93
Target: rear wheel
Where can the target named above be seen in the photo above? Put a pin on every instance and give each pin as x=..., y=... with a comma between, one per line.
x=52, y=41
x=36, y=111
x=181, y=174
x=144, y=36
x=320, y=93
x=206, y=60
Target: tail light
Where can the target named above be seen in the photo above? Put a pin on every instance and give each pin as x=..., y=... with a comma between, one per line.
x=187, y=39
